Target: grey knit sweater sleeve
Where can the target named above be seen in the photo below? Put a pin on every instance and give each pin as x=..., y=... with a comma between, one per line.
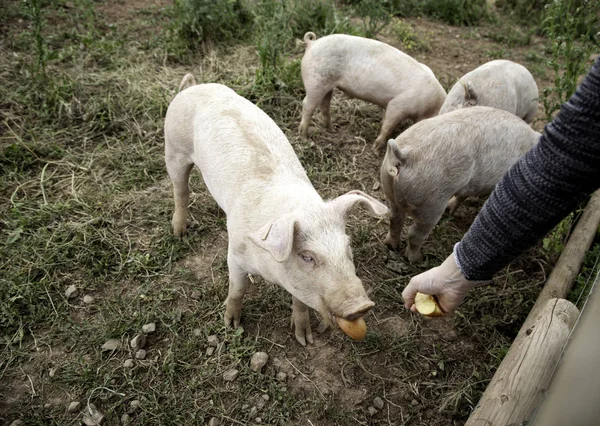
x=540, y=189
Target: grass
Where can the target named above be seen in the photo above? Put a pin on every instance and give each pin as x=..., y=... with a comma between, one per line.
x=85, y=200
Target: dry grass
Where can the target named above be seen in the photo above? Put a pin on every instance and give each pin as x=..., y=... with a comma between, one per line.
x=85, y=200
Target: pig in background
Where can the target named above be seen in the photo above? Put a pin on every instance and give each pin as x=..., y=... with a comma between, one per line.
x=499, y=84
x=278, y=225
x=462, y=153
x=369, y=70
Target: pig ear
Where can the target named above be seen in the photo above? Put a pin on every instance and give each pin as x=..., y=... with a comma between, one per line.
x=394, y=151
x=344, y=203
x=470, y=94
x=276, y=237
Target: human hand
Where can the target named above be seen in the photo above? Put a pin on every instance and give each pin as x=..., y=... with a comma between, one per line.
x=446, y=282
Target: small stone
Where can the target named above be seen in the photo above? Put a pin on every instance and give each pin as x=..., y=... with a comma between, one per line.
x=253, y=411
x=265, y=397
x=149, y=328
x=196, y=295
x=281, y=376
x=372, y=411
x=197, y=332
x=138, y=342
x=92, y=417
x=74, y=407
x=376, y=186
x=47, y=405
x=212, y=340
x=53, y=371
x=414, y=402
x=71, y=291
x=214, y=422
x=245, y=407
x=141, y=354
x=230, y=375
x=17, y=423
x=378, y=403
x=125, y=419
x=258, y=361
x=88, y=300
x=128, y=363
x=134, y=406
x=209, y=351
x=258, y=420
x=111, y=345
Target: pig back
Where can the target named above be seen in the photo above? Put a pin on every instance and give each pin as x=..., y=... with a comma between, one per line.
x=464, y=152
x=240, y=151
x=367, y=69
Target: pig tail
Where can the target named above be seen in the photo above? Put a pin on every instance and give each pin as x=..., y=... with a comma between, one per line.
x=309, y=36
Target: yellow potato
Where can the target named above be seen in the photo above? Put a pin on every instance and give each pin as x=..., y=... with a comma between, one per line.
x=427, y=305
x=356, y=329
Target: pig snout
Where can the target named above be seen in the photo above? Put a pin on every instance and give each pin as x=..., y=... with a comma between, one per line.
x=354, y=308
x=360, y=311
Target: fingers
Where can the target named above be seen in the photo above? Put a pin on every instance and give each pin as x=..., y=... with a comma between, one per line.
x=409, y=293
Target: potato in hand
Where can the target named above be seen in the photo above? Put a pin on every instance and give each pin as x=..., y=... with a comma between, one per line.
x=427, y=305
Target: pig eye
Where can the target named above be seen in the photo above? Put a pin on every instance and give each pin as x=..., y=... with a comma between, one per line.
x=307, y=259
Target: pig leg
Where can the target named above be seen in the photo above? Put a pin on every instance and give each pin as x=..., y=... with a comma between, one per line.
x=311, y=101
x=180, y=174
x=394, y=114
x=419, y=231
x=238, y=284
x=325, y=110
x=301, y=322
x=454, y=203
x=397, y=217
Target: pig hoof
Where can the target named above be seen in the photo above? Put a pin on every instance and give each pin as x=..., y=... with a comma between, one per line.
x=390, y=242
x=378, y=148
x=413, y=257
x=322, y=328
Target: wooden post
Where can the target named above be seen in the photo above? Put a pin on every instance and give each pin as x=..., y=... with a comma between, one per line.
x=516, y=389
x=574, y=392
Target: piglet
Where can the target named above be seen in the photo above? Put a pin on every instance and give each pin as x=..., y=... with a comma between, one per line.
x=369, y=70
x=499, y=84
x=462, y=153
x=278, y=225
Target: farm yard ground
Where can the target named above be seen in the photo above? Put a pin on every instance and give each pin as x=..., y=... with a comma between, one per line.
x=86, y=201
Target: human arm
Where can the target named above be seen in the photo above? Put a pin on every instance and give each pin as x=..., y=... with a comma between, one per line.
x=535, y=194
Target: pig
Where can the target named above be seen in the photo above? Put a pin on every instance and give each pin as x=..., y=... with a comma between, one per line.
x=277, y=224
x=369, y=70
x=459, y=154
x=499, y=84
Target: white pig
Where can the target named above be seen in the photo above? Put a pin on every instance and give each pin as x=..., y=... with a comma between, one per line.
x=369, y=70
x=278, y=225
x=499, y=84
x=462, y=153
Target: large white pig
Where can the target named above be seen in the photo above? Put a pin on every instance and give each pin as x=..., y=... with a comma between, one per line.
x=278, y=225
x=369, y=70
x=462, y=153
x=499, y=84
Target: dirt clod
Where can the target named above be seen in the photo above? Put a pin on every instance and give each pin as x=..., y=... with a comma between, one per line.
x=210, y=350
x=111, y=345
x=71, y=291
x=281, y=376
x=141, y=354
x=230, y=375
x=88, y=300
x=378, y=403
x=92, y=416
x=258, y=361
x=149, y=328
x=212, y=340
x=74, y=407
x=128, y=363
x=214, y=422
x=138, y=342
x=125, y=419
x=372, y=411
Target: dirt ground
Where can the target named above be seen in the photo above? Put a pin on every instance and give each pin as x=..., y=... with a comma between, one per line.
x=425, y=372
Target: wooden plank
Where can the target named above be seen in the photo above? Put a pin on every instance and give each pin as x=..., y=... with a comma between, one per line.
x=516, y=389
x=567, y=268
